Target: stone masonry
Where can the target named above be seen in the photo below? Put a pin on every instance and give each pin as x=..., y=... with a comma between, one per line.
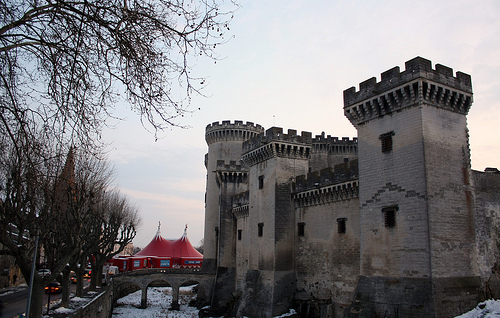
x=391, y=223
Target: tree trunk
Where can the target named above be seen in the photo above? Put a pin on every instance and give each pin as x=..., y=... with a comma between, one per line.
x=99, y=261
x=96, y=278
x=65, y=287
x=79, y=277
x=37, y=299
x=79, y=281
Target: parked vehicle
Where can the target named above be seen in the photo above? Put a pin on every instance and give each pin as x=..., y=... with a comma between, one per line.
x=105, y=279
x=112, y=270
x=44, y=272
x=88, y=273
x=53, y=288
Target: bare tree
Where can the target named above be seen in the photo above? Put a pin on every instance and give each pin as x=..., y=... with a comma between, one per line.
x=30, y=209
x=91, y=177
x=117, y=226
x=60, y=203
x=62, y=66
x=63, y=63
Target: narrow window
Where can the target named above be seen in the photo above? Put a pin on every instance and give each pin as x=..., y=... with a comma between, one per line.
x=341, y=229
x=390, y=216
x=301, y=228
x=216, y=231
x=261, y=229
x=386, y=141
x=261, y=182
x=239, y=235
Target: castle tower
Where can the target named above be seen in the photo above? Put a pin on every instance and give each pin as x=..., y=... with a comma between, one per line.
x=416, y=218
x=328, y=151
x=225, y=177
x=274, y=160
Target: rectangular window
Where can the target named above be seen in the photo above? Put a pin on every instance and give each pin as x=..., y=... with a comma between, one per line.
x=261, y=229
x=390, y=216
x=165, y=263
x=301, y=228
x=341, y=228
x=386, y=141
x=239, y=235
x=261, y=182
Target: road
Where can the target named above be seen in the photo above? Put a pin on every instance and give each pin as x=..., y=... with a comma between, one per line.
x=13, y=304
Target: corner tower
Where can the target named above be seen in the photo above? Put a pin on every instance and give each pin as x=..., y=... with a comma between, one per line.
x=416, y=215
x=274, y=160
x=225, y=177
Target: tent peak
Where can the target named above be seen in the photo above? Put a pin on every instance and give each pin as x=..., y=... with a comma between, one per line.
x=158, y=234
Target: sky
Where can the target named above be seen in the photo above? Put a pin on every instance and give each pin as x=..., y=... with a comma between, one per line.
x=286, y=65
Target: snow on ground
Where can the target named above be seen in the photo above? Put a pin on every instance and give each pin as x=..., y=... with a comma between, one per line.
x=160, y=298
x=486, y=309
x=74, y=304
x=159, y=301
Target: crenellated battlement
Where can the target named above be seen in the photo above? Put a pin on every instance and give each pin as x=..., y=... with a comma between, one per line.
x=274, y=143
x=226, y=130
x=224, y=165
x=328, y=176
x=327, y=185
x=322, y=143
x=231, y=172
x=240, y=204
x=396, y=90
x=276, y=134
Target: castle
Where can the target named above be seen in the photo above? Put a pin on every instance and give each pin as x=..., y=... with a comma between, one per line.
x=393, y=223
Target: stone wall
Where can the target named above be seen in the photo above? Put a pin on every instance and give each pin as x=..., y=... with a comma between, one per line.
x=327, y=262
x=393, y=179
x=224, y=142
x=419, y=226
x=487, y=220
x=99, y=307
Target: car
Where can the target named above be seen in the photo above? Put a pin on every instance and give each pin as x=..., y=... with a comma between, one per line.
x=105, y=279
x=44, y=272
x=87, y=273
x=53, y=288
x=72, y=279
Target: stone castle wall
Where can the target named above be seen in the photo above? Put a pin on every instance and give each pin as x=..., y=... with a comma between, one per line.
x=394, y=179
x=487, y=220
x=393, y=222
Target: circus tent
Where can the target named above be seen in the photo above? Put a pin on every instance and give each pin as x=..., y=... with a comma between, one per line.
x=162, y=253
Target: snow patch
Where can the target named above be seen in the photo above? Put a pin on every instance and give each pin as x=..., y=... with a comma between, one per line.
x=487, y=309
x=160, y=299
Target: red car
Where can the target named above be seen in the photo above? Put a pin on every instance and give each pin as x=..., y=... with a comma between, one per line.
x=53, y=288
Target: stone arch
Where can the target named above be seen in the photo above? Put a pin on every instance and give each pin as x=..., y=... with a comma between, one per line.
x=144, y=279
x=195, y=284
x=154, y=282
x=124, y=288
